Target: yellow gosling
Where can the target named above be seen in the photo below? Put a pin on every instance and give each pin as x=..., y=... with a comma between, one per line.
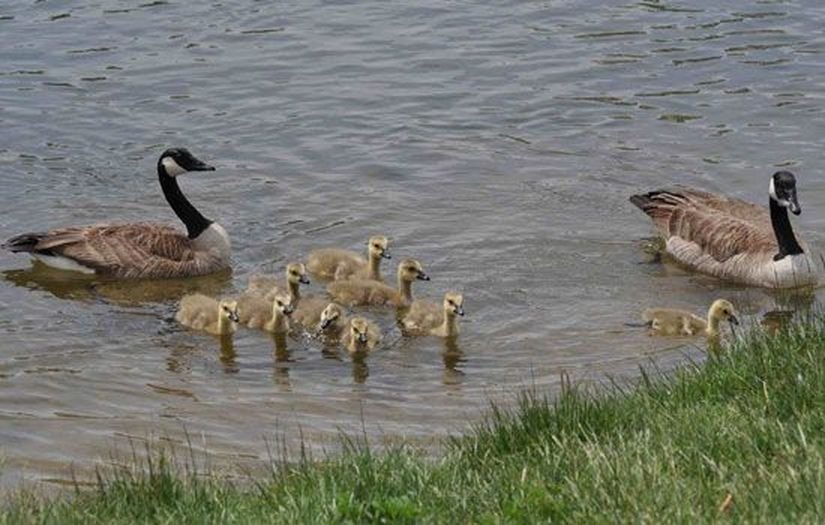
x=362, y=292
x=428, y=318
x=337, y=264
x=666, y=321
x=200, y=312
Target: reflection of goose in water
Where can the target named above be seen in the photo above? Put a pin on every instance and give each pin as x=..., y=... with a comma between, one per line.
x=228, y=356
x=453, y=358
x=76, y=286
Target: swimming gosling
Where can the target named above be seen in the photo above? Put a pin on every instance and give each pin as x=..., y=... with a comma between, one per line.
x=362, y=292
x=200, y=312
x=269, y=285
x=428, y=318
x=362, y=336
x=271, y=316
x=337, y=264
x=333, y=322
x=666, y=321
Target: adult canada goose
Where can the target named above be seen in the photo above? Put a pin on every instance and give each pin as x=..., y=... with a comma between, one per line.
x=428, y=318
x=269, y=285
x=139, y=250
x=734, y=239
x=337, y=264
x=666, y=321
x=362, y=336
x=210, y=315
x=362, y=292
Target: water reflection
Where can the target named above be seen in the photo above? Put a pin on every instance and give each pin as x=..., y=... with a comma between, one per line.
x=360, y=370
x=77, y=286
x=281, y=362
x=228, y=355
x=454, y=359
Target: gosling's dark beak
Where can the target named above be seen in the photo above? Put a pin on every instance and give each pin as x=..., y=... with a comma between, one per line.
x=304, y=279
x=793, y=204
x=288, y=309
x=324, y=324
x=460, y=311
x=386, y=254
x=233, y=316
x=362, y=338
x=423, y=276
x=733, y=320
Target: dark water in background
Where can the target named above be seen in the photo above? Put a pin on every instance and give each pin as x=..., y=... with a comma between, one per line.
x=496, y=143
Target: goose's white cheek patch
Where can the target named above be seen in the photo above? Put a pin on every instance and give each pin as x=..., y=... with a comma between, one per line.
x=173, y=169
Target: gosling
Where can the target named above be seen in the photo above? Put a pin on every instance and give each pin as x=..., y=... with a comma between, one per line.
x=428, y=318
x=337, y=264
x=200, y=312
x=362, y=336
x=665, y=321
x=333, y=321
x=362, y=292
x=269, y=285
x=270, y=316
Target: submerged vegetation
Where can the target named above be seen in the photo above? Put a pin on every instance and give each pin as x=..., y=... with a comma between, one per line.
x=740, y=436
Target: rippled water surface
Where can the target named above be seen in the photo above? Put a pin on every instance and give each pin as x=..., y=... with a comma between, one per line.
x=496, y=143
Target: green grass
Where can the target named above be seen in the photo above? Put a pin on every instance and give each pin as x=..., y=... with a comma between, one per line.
x=740, y=437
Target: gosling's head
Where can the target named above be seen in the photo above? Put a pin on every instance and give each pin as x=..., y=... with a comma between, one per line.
x=330, y=316
x=724, y=311
x=454, y=304
x=296, y=273
x=359, y=330
x=409, y=270
x=177, y=161
x=229, y=309
x=378, y=247
x=283, y=304
x=783, y=191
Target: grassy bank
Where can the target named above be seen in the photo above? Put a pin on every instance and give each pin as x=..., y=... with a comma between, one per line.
x=739, y=437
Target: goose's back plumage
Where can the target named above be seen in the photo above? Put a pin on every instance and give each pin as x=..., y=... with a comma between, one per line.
x=308, y=311
x=670, y=321
x=126, y=251
x=721, y=236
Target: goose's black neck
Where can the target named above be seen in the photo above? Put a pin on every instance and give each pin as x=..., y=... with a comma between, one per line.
x=785, y=238
x=191, y=217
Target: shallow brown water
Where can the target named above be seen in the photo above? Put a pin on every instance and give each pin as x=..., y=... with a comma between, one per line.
x=496, y=143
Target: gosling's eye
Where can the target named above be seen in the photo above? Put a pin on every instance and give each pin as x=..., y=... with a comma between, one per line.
x=451, y=303
x=225, y=309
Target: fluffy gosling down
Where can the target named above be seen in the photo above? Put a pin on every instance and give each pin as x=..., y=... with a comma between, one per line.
x=362, y=337
x=269, y=315
x=362, y=292
x=269, y=285
x=428, y=318
x=666, y=321
x=200, y=312
x=333, y=322
x=337, y=264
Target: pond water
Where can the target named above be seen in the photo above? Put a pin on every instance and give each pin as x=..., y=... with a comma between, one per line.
x=496, y=143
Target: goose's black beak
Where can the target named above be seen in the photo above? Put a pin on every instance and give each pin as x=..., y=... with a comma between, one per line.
x=195, y=164
x=233, y=316
x=324, y=324
x=289, y=309
x=733, y=320
x=460, y=311
x=362, y=338
x=386, y=254
x=304, y=279
x=423, y=276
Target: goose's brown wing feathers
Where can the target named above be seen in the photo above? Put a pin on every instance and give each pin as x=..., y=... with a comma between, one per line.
x=129, y=250
x=720, y=226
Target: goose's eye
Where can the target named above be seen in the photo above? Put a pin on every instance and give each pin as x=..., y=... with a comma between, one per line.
x=450, y=302
x=225, y=309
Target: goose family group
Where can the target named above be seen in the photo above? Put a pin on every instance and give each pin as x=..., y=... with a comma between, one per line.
x=713, y=234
